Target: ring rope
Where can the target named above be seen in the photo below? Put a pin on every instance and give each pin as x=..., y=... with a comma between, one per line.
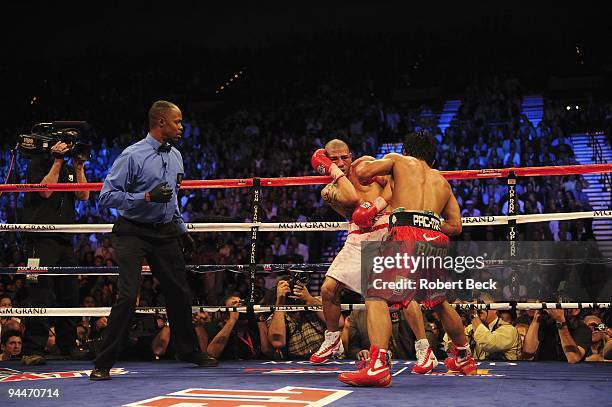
x=318, y=180
x=315, y=268
x=145, y=270
x=301, y=226
x=105, y=311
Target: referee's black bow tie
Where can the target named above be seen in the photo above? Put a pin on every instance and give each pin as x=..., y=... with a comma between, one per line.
x=164, y=148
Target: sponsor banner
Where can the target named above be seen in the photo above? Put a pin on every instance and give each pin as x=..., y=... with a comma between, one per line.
x=330, y=226
x=489, y=173
x=60, y=228
x=24, y=311
x=33, y=270
x=484, y=220
x=479, y=373
x=105, y=311
x=26, y=376
x=297, y=308
x=31, y=186
x=29, y=227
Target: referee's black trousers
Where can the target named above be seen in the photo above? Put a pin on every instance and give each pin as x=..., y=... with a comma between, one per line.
x=160, y=246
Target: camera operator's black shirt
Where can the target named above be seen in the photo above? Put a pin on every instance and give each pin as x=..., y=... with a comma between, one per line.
x=59, y=207
x=550, y=343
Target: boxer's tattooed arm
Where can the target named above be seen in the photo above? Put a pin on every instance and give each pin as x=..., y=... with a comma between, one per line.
x=331, y=195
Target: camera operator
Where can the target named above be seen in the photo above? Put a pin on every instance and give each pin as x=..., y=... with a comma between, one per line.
x=234, y=337
x=558, y=334
x=53, y=249
x=295, y=335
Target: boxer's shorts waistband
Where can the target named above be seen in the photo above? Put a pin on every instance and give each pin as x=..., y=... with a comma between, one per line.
x=417, y=219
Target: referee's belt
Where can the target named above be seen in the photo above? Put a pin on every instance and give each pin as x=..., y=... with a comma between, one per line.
x=418, y=219
x=147, y=225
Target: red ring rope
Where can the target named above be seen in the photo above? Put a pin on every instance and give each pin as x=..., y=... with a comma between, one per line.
x=318, y=180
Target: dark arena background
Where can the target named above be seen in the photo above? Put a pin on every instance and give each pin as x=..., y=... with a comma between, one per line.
x=517, y=95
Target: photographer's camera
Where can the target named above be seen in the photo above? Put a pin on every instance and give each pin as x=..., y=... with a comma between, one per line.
x=44, y=136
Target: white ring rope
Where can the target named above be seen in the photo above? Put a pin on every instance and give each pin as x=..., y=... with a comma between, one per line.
x=105, y=311
x=300, y=226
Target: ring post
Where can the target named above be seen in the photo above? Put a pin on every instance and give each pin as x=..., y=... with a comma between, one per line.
x=512, y=228
x=512, y=211
x=253, y=259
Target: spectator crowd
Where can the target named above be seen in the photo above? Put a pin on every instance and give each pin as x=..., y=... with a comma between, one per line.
x=274, y=136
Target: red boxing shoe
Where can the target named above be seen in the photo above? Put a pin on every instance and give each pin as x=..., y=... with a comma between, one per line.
x=466, y=366
x=426, y=361
x=374, y=374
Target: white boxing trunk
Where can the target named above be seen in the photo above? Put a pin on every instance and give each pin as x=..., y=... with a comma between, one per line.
x=346, y=267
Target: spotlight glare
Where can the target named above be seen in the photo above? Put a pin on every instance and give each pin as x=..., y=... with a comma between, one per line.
x=568, y=107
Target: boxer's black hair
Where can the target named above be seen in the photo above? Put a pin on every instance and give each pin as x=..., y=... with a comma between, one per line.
x=421, y=145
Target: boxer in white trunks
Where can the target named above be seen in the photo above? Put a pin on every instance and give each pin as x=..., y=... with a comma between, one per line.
x=365, y=205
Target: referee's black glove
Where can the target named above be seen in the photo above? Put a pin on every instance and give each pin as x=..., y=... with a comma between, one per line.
x=187, y=243
x=161, y=193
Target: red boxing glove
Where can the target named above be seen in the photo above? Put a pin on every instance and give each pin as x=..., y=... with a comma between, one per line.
x=364, y=214
x=322, y=164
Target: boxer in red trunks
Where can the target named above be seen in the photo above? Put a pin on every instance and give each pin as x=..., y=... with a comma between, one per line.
x=365, y=205
x=418, y=193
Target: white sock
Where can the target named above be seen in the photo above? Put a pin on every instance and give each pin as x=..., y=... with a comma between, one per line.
x=421, y=344
x=332, y=334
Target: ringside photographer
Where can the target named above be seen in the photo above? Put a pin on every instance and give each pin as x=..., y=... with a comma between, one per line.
x=62, y=163
x=235, y=337
x=491, y=335
x=295, y=335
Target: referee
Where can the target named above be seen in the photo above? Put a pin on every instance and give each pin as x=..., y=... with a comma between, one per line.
x=143, y=184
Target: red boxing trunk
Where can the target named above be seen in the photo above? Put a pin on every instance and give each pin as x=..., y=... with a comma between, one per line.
x=412, y=261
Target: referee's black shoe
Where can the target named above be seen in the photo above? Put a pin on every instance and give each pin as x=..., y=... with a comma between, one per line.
x=198, y=358
x=100, y=373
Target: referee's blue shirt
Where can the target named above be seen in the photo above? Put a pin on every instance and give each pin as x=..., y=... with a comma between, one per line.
x=139, y=169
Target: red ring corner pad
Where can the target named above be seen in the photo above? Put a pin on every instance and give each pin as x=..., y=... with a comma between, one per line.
x=318, y=180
